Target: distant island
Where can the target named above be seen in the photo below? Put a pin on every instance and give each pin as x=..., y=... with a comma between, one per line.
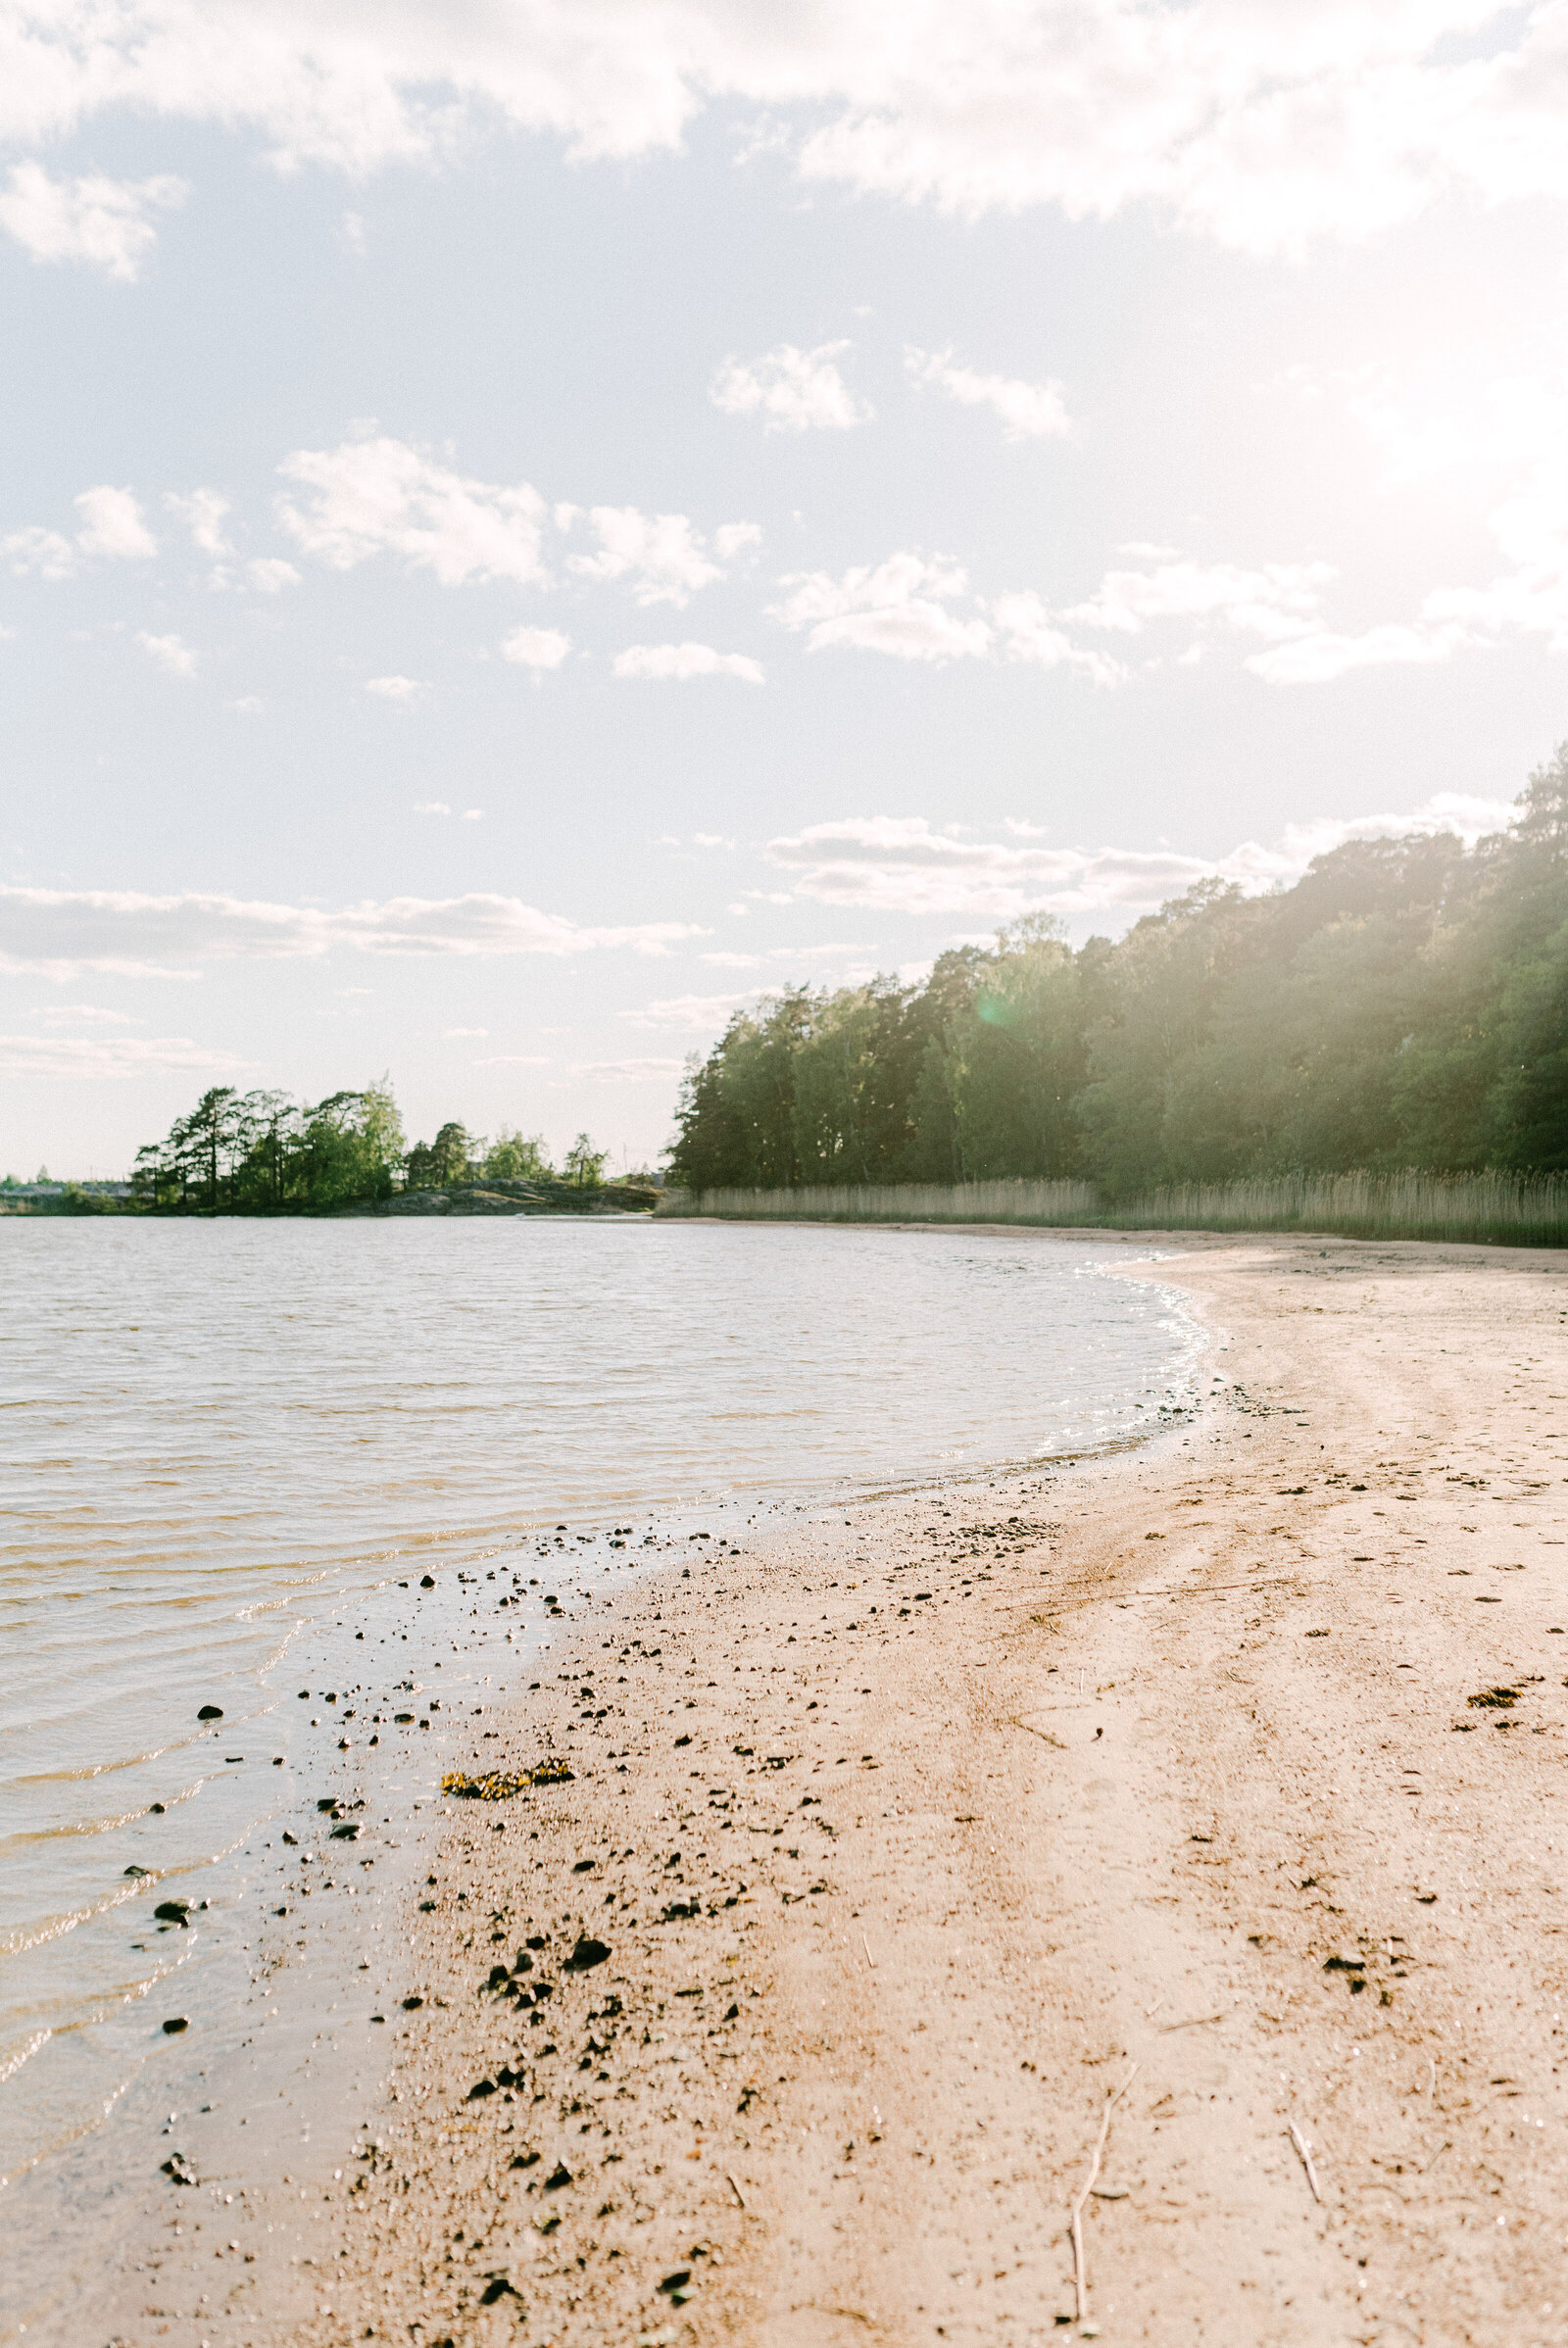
x=262, y=1153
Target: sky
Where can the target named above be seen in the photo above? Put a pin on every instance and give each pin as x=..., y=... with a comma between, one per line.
x=524, y=526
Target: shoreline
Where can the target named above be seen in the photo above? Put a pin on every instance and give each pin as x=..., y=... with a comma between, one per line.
x=984, y=1812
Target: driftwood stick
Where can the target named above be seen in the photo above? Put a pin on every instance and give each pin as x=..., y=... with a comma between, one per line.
x=1299, y=2141
x=735, y=2189
x=1080, y=2264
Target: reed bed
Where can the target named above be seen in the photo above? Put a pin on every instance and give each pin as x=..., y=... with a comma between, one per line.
x=1506, y=1210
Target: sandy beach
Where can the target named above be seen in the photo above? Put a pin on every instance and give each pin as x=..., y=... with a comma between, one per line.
x=1210, y=1801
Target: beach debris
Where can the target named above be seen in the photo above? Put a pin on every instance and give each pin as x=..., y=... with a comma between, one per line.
x=348, y=1831
x=586, y=1955
x=1305, y=2154
x=172, y=1911
x=175, y=2025
x=179, y=2169
x=1080, y=2262
x=138, y=1870
x=1494, y=1699
x=211, y=1712
x=677, y=2286
x=497, y=1785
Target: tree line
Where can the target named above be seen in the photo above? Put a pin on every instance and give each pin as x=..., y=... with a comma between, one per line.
x=1404, y=1005
x=261, y=1153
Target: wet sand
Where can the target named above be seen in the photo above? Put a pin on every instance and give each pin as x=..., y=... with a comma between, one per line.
x=1226, y=1779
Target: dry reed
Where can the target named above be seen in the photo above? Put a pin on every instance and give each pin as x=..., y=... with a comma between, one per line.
x=1508, y=1209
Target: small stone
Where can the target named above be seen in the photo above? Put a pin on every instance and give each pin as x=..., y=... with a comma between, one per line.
x=586, y=1955
x=175, y=2025
x=560, y=2176
x=211, y=1712
x=427, y=1581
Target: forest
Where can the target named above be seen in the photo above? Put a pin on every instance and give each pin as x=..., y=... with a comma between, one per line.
x=1404, y=1005
x=262, y=1153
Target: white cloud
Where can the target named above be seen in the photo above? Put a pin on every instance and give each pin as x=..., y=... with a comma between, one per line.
x=380, y=496
x=710, y=840
x=450, y=1035
x=101, y=222
x=731, y=536
x=270, y=575
x=696, y=1012
x=40, y=553
x=403, y=693
x=98, y=1057
x=627, y=1071
x=899, y=865
x=660, y=553
x=170, y=651
x=1028, y=411
x=1260, y=127
x=84, y=1014
x=472, y=816
x=60, y=934
x=432, y=807
x=536, y=648
x=1318, y=658
x=679, y=663
x=791, y=390
x=897, y=606
x=111, y=527
x=1277, y=599
x=204, y=511
x=1030, y=634
x=513, y=1060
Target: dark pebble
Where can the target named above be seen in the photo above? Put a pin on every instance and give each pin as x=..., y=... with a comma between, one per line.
x=175, y=2025
x=586, y=1955
x=211, y=1712
x=558, y=2176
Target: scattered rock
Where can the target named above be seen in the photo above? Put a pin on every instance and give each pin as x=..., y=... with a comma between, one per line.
x=585, y=1956
x=560, y=2176
x=179, y=2168
x=211, y=1712
x=172, y=1911
x=427, y=1581
x=175, y=2025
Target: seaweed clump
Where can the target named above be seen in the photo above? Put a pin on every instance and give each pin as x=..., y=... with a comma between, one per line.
x=497, y=1785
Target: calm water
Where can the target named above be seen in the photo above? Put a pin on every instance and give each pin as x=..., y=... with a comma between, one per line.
x=223, y=1446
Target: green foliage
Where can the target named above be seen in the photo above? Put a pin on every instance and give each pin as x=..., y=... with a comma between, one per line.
x=515, y=1157
x=1404, y=1005
x=585, y=1165
x=261, y=1153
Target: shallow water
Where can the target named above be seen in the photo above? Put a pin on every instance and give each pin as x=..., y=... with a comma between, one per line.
x=223, y=1446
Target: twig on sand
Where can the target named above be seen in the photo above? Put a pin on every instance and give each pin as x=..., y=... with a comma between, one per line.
x=1080, y=2265
x=867, y=1945
x=735, y=2189
x=1299, y=2141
